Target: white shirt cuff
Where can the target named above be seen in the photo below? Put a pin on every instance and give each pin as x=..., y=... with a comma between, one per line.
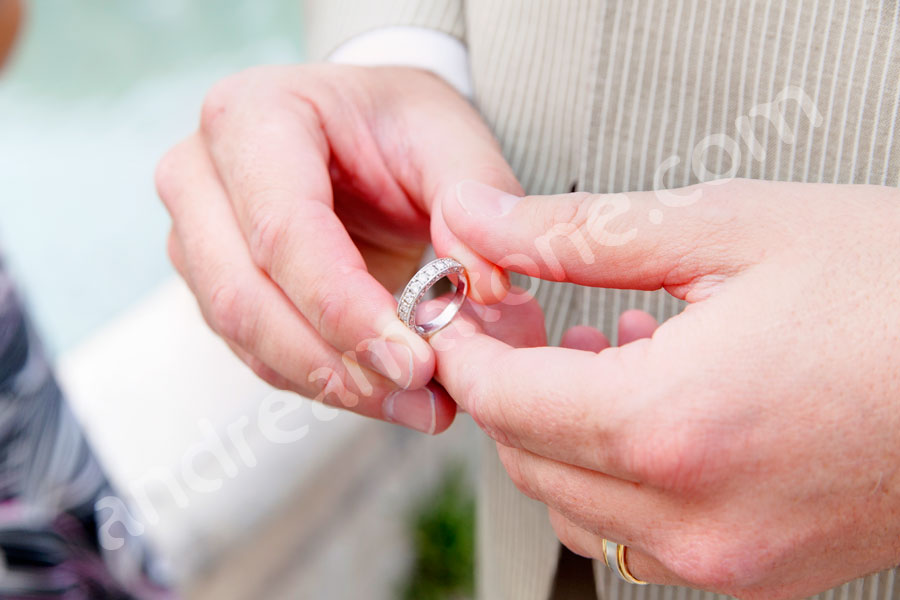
x=428, y=49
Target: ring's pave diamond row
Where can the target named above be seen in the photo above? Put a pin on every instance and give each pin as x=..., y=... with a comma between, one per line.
x=419, y=284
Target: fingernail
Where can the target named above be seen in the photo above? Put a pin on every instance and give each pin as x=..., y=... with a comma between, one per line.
x=395, y=361
x=480, y=200
x=412, y=408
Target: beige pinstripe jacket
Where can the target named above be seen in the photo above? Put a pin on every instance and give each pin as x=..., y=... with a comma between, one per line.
x=618, y=95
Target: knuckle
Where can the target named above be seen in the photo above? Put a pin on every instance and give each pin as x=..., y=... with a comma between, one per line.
x=259, y=86
x=723, y=564
x=232, y=314
x=473, y=398
x=167, y=177
x=486, y=406
x=330, y=388
x=561, y=217
x=323, y=381
x=677, y=458
x=331, y=306
x=268, y=232
x=567, y=234
x=721, y=554
x=701, y=572
x=574, y=213
x=661, y=462
x=267, y=373
x=217, y=101
x=563, y=529
x=513, y=464
x=570, y=540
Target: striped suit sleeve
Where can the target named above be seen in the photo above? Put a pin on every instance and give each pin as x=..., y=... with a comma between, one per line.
x=329, y=23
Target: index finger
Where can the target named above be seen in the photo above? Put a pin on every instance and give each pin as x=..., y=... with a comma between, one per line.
x=568, y=405
x=273, y=157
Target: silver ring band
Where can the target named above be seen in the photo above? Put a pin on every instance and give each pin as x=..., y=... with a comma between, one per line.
x=614, y=557
x=609, y=557
x=419, y=285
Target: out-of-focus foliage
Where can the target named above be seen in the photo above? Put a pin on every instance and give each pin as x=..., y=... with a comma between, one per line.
x=444, y=542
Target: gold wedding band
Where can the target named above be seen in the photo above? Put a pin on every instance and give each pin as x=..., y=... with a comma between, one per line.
x=614, y=554
x=623, y=569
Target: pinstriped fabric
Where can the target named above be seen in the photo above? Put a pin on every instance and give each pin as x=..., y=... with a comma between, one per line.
x=541, y=137
x=332, y=22
x=505, y=515
x=614, y=95
x=660, y=94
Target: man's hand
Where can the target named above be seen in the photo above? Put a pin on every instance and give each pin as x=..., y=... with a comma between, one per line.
x=305, y=199
x=751, y=446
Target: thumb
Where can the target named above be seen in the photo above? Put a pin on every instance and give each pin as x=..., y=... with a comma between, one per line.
x=460, y=147
x=488, y=283
x=638, y=240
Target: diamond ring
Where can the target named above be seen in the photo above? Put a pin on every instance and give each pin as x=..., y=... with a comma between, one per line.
x=417, y=287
